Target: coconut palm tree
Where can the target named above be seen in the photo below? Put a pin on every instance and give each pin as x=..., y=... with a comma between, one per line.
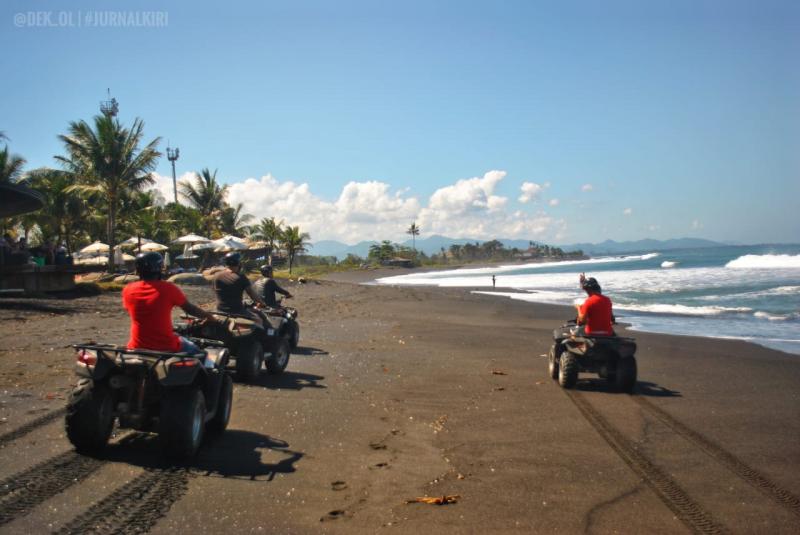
x=65, y=214
x=271, y=232
x=414, y=231
x=233, y=221
x=10, y=166
x=294, y=242
x=206, y=195
x=106, y=158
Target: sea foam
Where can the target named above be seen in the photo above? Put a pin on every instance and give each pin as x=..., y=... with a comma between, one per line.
x=766, y=261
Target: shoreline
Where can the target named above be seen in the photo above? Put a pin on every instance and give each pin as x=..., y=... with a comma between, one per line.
x=370, y=278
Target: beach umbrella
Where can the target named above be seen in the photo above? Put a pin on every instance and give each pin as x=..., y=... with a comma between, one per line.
x=153, y=247
x=133, y=241
x=92, y=261
x=128, y=257
x=234, y=238
x=223, y=245
x=95, y=248
x=257, y=244
x=201, y=246
x=191, y=238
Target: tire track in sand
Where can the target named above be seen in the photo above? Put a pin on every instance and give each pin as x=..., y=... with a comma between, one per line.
x=24, y=429
x=21, y=492
x=725, y=458
x=667, y=489
x=135, y=507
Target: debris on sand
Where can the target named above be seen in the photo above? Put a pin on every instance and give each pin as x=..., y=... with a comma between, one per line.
x=498, y=372
x=435, y=500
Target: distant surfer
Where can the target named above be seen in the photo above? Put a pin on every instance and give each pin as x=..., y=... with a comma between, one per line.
x=494, y=282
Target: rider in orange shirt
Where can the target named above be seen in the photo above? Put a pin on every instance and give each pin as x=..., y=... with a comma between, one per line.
x=595, y=313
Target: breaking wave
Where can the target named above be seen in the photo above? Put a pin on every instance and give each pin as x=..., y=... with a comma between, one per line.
x=766, y=261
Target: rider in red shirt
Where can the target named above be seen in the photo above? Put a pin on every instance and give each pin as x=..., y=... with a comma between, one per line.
x=595, y=312
x=149, y=303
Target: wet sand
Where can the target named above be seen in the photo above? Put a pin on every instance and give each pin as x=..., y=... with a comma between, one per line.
x=399, y=392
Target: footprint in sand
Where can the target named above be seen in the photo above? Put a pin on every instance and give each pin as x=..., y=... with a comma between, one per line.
x=338, y=485
x=333, y=515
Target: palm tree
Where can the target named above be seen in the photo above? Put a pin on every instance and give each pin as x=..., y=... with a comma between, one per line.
x=294, y=242
x=64, y=215
x=233, y=221
x=10, y=166
x=271, y=232
x=207, y=196
x=414, y=231
x=107, y=160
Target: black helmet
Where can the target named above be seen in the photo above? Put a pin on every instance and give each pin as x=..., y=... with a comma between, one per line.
x=149, y=265
x=266, y=270
x=591, y=285
x=232, y=259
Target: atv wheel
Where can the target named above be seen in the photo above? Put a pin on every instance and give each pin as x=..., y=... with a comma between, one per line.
x=567, y=370
x=248, y=359
x=221, y=418
x=552, y=363
x=625, y=378
x=182, y=421
x=294, y=336
x=90, y=416
x=279, y=359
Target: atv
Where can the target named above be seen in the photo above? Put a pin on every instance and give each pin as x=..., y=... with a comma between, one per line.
x=180, y=396
x=251, y=345
x=611, y=357
x=287, y=322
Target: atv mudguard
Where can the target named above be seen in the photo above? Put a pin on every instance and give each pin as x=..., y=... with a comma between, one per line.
x=171, y=376
x=98, y=372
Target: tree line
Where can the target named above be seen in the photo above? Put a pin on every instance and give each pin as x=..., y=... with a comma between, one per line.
x=100, y=189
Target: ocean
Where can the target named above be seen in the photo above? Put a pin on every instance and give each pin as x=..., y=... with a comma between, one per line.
x=741, y=292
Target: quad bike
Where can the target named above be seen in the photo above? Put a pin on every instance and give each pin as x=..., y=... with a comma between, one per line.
x=287, y=318
x=611, y=357
x=282, y=318
x=180, y=396
x=251, y=345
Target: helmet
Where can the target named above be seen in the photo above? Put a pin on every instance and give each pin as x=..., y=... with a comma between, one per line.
x=232, y=259
x=591, y=285
x=266, y=270
x=149, y=265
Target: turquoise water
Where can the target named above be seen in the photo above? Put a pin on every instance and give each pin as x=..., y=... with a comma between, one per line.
x=742, y=292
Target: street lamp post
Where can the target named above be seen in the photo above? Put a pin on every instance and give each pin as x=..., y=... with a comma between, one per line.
x=172, y=155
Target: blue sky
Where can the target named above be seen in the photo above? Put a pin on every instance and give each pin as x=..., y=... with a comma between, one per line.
x=682, y=117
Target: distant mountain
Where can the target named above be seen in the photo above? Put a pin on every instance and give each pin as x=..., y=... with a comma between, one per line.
x=615, y=247
x=433, y=244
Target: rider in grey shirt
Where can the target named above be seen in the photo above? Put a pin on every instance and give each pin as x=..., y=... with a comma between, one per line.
x=266, y=287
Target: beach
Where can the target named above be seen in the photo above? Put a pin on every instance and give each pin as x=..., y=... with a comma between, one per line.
x=397, y=393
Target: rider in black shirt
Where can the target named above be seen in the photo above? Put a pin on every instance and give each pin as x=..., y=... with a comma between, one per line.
x=229, y=285
x=266, y=287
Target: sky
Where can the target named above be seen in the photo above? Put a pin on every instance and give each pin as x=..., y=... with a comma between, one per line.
x=559, y=122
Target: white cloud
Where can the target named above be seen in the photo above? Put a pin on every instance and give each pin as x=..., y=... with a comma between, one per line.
x=696, y=224
x=530, y=191
x=653, y=228
x=164, y=186
x=627, y=211
x=587, y=187
x=372, y=210
x=553, y=202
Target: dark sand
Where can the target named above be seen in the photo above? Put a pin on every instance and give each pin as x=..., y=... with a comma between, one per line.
x=397, y=393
